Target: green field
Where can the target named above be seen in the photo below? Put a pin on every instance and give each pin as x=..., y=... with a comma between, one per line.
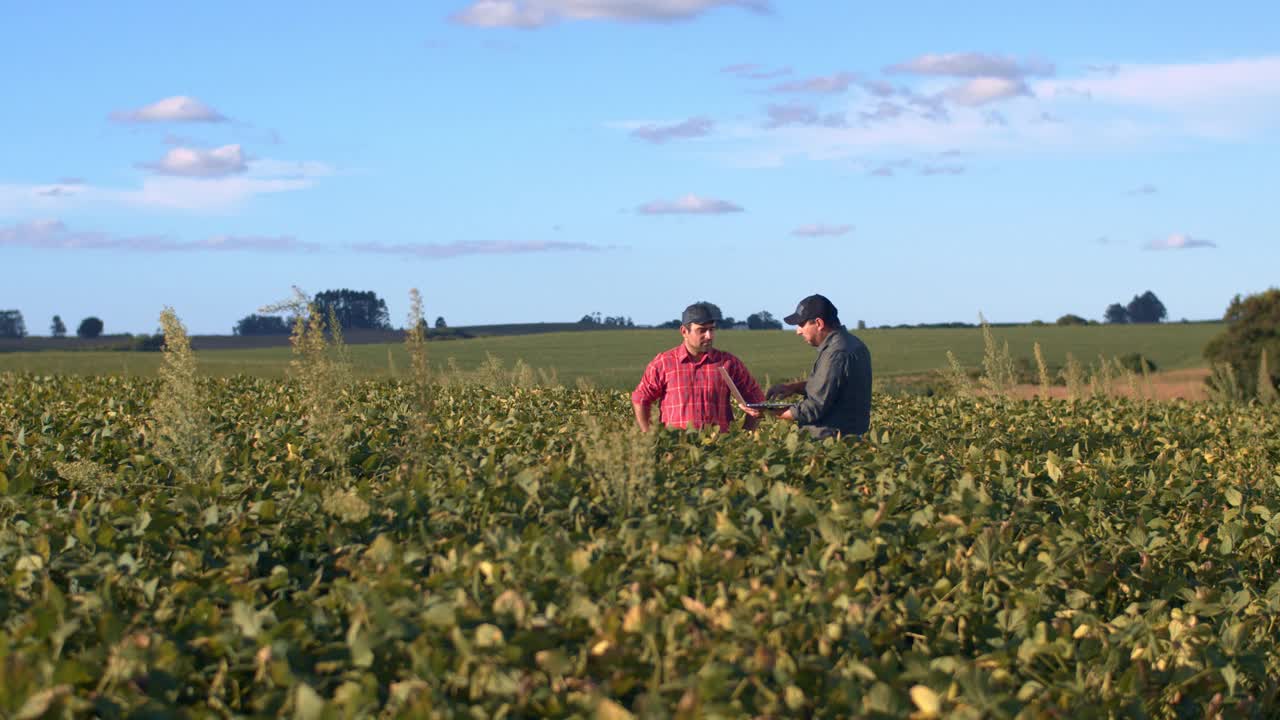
x=380, y=549
x=615, y=359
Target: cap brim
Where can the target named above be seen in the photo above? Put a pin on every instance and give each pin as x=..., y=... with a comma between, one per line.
x=792, y=319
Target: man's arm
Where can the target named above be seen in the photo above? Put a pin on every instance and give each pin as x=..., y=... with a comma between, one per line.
x=821, y=390
x=642, y=415
x=778, y=390
x=652, y=387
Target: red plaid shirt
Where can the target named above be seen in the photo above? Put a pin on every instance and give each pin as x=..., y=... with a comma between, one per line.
x=690, y=389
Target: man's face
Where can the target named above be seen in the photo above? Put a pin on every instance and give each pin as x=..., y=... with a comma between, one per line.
x=698, y=337
x=811, y=331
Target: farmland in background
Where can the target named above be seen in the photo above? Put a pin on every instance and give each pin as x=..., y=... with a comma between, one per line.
x=615, y=358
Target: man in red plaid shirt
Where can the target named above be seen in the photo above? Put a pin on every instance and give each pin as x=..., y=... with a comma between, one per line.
x=686, y=380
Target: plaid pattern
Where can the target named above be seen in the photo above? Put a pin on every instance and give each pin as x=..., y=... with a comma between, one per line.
x=690, y=389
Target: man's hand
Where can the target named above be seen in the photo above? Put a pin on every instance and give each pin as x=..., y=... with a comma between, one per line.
x=781, y=390
x=750, y=411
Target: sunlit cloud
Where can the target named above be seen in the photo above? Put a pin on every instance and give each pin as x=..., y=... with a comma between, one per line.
x=196, y=162
x=1179, y=241
x=192, y=193
x=750, y=71
x=789, y=115
x=689, y=205
x=439, y=251
x=530, y=14
x=55, y=235
x=691, y=128
x=824, y=85
x=821, y=230
x=984, y=90
x=178, y=108
x=972, y=65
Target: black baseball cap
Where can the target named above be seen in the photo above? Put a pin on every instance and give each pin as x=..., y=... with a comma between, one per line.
x=812, y=308
x=700, y=313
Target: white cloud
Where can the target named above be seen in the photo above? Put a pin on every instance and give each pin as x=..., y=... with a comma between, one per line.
x=178, y=108
x=195, y=162
x=54, y=235
x=972, y=65
x=196, y=194
x=1187, y=85
x=458, y=249
x=822, y=85
x=787, y=115
x=691, y=128
x=1179, y=241
x=215, y=194
x=539, y=13
x=984, y=90
x=689, y=205
x=821, y=230
x=751, y=71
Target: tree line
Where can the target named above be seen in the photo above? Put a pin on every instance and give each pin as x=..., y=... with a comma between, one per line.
x=12, y=325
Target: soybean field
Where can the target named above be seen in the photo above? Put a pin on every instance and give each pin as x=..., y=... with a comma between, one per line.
x=218, y=547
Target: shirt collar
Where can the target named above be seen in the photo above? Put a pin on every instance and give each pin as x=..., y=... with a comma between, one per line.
x=683, y=355
x=831, y=339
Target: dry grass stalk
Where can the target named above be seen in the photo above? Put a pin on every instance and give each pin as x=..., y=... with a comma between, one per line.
x=621, y=462
x=182, y=429
x=415, y=340
x=1073, y=376
x=323, y=372
x=998, y=372
x=1043, y=370
x=1266, y=389
x=956, y=376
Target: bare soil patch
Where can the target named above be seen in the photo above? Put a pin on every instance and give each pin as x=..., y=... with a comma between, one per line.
x=1171, y=385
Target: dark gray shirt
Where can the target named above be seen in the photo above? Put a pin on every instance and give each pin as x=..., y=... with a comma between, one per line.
x=837, y=395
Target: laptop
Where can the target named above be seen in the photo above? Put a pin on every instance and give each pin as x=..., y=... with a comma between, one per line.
x=733, y=390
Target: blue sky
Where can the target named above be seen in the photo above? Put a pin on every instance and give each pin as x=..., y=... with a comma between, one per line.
x=536, y=160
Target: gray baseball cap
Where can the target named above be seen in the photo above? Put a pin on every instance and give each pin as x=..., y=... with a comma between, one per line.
x=700, y=313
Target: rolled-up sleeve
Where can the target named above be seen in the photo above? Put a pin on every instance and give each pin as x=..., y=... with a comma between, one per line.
x=822, y=389
x=652, y=384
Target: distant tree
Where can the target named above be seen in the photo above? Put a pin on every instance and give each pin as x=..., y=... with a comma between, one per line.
x=57, y=328
x=440, y=323
x=671, y=324
x=1070, y=319
x=90, y=327
x=618, y=322
x=261, y=325
x=354, y=309
x=726, y=322
x=1116, y=314
x=11, y=324
x=591, y=319
x=1253, y=326
x=1146, y=308
x=763, y=320
x=862, y=324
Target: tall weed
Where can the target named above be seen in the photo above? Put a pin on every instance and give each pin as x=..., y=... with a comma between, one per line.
x=999, y=374
x=181, y=427
x=322, y=370
x=620, y=462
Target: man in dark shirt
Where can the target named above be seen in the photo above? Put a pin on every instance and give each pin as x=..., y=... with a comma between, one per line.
x=837, y=394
